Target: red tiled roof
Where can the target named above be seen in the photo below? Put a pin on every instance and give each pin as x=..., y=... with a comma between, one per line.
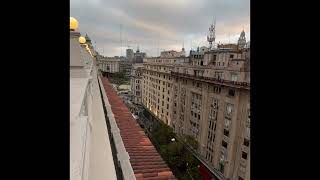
x=144, y=158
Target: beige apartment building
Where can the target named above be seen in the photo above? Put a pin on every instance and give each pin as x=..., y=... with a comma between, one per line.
x=207, y=96
x=157, y=83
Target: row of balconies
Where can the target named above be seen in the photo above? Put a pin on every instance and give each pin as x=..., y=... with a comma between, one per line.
x=244, y=85
x=195, y=110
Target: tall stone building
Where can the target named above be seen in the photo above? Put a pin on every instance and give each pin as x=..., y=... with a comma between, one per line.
x=129, y=54
x=207, y=96
x=138, y=56
x=136, y=82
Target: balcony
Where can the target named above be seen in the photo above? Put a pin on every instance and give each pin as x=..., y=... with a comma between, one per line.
x=244, y=148
x=234, y=84
x=243, y=163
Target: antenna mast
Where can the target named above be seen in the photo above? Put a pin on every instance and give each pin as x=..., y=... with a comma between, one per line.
x=121, y=39
x=212, y=34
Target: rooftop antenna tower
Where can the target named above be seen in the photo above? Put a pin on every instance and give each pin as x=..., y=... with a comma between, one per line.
x=158, y=47
x=212, y=34
x=121, y=39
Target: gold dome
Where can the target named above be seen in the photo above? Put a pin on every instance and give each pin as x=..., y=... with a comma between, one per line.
x=82, y=40
x=73, y=24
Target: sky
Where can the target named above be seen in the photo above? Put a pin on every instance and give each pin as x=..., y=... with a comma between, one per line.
x=157, y=25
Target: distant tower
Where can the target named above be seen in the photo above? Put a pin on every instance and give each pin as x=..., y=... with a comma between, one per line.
x=242, y=40
x=183, y=52
x=183, y=46
x=212, y=34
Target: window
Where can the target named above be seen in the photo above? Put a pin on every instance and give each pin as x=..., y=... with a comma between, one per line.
x=221, y=167
x=248, y=131
x=231, y=92
x=226, y=132
x=167, y=106
x=246, y=142
x=199, y=116
x=240, y=178
x=249, y=117
x=224, y=144
x=162, y=103
x=215, y=103
x=231, y=55
x=168, y=99
x=167, y=113
x=229, y=109
x=244, y=155
x=234, y=77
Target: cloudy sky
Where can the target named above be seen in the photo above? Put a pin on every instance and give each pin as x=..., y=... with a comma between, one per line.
x=157, y=25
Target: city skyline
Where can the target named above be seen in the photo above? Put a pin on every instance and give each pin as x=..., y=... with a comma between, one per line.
x=157, y=26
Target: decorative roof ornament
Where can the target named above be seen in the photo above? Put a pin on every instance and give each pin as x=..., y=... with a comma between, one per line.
x=242, y=40
x=82, y=40
x=73, y=24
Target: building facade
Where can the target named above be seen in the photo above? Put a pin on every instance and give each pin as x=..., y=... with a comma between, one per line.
x=157, y=83
x=129, y=54
x=157, y=89
x=139, y=56
x=136, y=83
x=125, y=66
x=109, y=64
x=207, y=96
x=172, y=53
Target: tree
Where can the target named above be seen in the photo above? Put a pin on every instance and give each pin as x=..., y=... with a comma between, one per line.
x=191, y=142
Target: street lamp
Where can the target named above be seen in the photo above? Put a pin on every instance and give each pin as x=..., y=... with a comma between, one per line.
x=173, y=139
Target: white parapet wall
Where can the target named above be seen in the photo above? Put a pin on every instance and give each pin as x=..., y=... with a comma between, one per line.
x=90, y=149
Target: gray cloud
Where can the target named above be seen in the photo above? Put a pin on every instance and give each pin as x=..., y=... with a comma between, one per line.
x=164, y=22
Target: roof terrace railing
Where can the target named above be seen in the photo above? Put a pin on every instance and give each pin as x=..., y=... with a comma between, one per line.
x=244, y=85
